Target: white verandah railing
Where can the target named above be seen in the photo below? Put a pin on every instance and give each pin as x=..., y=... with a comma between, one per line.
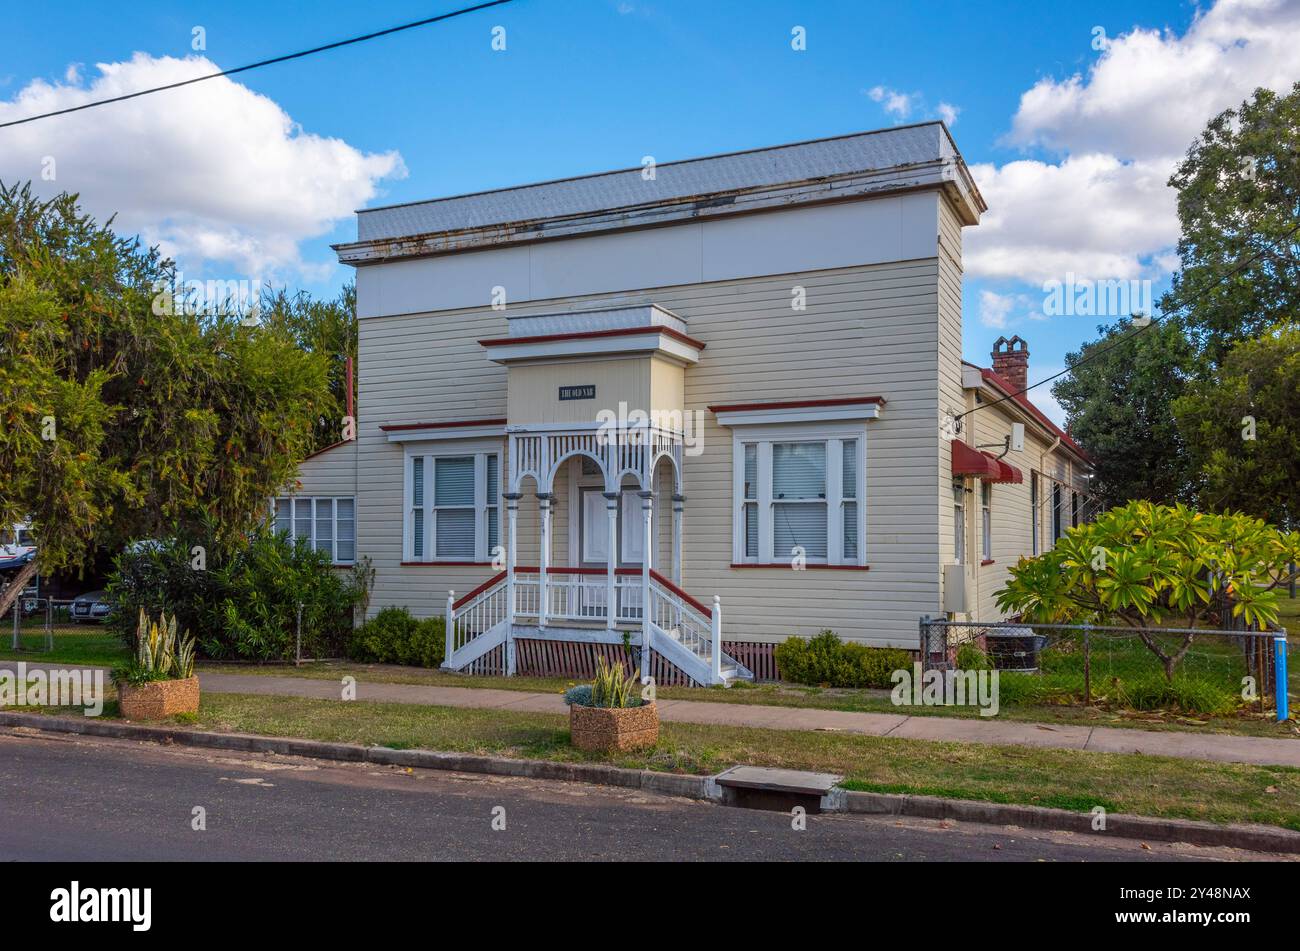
x=583, y=595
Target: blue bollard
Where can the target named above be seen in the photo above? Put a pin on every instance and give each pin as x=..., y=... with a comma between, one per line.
x=1279, y=677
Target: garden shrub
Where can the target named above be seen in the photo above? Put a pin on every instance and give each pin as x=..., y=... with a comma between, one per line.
x=243, y=601
x=826, y=660
x=393, y=636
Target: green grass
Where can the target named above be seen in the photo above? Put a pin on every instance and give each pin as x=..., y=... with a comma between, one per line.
x=1245, y=722
x=1068, y=779
x=73, y=644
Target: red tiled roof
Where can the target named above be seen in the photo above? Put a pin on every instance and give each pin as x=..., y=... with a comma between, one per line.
x=1004, y=385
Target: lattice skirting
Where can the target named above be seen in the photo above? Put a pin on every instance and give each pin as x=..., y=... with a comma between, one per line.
x=539, y=658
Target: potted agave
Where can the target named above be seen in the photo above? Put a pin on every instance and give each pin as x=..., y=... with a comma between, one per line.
x=608, y=715
x=159, y=681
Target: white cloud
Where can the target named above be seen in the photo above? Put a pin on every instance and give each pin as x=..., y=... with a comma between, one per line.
x=1092, y=215
x=1104, y=210
x=897, y=104
x=901, y=105
x=214, y=173
x=994, y=308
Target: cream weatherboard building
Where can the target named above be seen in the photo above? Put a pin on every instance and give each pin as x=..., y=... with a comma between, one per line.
x=701, y=406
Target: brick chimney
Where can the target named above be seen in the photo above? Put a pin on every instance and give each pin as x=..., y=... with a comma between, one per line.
x=1011, y=361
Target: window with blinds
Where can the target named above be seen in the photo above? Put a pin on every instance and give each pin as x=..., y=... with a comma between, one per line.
x=849, y=492
x=325, y=524
x=799, y=499
x=959, y=522
x=749, y=501
x=453, y=507
x=493, y=493
x=453, y=488
x=986, y=519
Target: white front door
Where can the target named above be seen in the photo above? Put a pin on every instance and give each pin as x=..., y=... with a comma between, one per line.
x=595, y=529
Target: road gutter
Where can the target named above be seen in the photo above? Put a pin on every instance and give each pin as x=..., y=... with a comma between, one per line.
x=1257, y=838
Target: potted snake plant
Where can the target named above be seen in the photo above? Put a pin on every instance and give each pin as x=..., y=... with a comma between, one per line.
x=608, y=715
x=159, y=681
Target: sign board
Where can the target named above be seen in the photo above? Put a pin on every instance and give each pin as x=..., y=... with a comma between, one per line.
x=585, y=391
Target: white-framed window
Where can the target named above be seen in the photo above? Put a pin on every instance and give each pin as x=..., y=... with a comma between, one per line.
x=453, y=504
x=328, y=524
x=986, y=520
x=1035, y=518
x=799, y=491
x=959, y=522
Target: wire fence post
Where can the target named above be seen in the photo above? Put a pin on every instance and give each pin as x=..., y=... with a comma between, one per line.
x=297, y=650
x=1087, y=665
x=49, y=624
x=924, y=628
x=1280, y=685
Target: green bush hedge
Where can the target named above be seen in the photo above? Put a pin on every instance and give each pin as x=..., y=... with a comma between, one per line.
x=826, y=660
x=242, y=602
x=393, y=636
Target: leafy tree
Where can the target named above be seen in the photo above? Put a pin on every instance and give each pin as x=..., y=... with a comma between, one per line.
x=1143, y=565
x=122, y=415
x=1118, y=404
x=326, y=328
x=1243, y=429
x=1239, y=196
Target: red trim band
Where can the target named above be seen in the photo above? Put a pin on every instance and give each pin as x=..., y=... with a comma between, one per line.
x=446, y=564
x=406, y=427
x=986, y=561
x=495, y=579
x=587, y=334
x=796, y=404
x=313, y=455
x=699, y=606
x=789, y=567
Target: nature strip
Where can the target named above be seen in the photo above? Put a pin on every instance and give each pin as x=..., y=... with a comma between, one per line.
x=1256, y=838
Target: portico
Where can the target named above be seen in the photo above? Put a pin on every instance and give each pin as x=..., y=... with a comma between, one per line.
x=597, y=435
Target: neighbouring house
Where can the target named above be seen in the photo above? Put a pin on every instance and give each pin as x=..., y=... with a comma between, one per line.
x=697, y=407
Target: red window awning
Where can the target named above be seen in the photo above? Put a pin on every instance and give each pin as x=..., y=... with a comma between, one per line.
x=1009, y=473
x=969, y=461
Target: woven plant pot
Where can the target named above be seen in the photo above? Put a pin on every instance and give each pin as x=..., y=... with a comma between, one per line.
x=159, y=699
x=614, y=729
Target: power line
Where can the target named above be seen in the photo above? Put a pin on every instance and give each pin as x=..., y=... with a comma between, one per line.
x=265, y=62
x=1133, y=336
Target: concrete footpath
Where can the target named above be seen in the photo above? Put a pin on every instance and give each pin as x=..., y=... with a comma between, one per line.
x=992, y=731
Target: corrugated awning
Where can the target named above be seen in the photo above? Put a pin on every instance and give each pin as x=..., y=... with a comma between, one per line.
x=969, y=461
x=1008, y=473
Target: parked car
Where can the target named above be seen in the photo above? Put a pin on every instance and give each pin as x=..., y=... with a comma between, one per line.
x=91, y=607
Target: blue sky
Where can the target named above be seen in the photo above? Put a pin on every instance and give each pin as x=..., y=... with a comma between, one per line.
x=597, y=84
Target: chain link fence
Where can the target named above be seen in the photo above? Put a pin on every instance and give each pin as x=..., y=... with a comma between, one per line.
x=1196, y=671
x=35, y=623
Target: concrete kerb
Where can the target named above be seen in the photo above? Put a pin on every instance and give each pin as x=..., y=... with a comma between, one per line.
x=1252, y=837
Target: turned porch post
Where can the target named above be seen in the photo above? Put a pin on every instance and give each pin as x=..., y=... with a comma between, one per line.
x=611, y=590
x=679, y=505
x=647, y=514
x=512, y=535
x=544, y=500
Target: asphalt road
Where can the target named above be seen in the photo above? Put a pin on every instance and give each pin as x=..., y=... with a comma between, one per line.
x=72, y=798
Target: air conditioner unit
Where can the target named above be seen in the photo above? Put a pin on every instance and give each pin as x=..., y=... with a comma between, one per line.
x=957, y=586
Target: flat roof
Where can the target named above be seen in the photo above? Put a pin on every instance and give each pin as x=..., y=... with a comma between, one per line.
x=901, y=147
